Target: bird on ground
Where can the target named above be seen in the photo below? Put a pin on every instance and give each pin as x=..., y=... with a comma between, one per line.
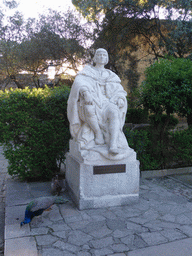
x=37, y=206
x=56, y=185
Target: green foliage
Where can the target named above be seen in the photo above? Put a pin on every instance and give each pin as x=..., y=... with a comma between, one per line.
x=137, y=116
x=142, y=21
x=34, y=131
x=160, y=122
x=30, y=45
x=175, y=151
x=181, y=145
x=141, y=143
x=168, y=87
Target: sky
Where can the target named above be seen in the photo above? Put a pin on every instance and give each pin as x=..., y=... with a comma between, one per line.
x=32, y=8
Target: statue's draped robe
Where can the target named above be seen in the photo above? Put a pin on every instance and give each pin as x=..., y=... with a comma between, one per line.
x=105, y=92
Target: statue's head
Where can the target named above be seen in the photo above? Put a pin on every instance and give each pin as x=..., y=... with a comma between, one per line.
x=99, y=51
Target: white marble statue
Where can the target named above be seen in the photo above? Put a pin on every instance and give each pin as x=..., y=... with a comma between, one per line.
x=97, y=108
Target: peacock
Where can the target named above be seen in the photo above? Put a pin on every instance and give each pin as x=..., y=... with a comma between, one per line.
x=37, y=206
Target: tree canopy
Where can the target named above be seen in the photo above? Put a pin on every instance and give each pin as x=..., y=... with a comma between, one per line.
x=167, y=34
x=29, y=45
x=168, y=88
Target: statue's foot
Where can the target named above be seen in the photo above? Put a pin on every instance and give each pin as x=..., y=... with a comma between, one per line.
x=99, y=139
x=113, y=150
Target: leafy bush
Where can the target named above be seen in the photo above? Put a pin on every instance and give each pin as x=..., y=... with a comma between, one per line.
x=168, y=87
x=161, y=120
x=141, y=143
x=174, y=151
x=137, y=116
x=34, y=131
x=181, y=146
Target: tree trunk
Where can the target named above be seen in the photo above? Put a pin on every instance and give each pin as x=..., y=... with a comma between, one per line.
x=13, y=78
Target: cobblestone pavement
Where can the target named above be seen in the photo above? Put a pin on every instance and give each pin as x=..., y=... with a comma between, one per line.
x=3, y=175
x=162, y=216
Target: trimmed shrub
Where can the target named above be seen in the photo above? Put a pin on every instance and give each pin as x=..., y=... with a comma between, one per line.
x=34, y=131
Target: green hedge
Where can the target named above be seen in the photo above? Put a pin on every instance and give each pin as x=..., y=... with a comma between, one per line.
x=34, y=131
x=175, y=151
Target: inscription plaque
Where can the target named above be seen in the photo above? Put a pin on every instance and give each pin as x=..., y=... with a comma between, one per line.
x=105, y=169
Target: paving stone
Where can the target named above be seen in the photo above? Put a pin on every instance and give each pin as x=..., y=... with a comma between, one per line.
x=153, y=238
x=66, y=246
x=76, y=218
x=131, y=212
x=159, y=225
x=186, y=229
x=59, y=226
x=102, y=243
x=99, y=211
x=83, y=253
x=151, y=195
x=178, y=209
x=54, y=215
x=142, y=205
x=79, y=225
x=189, y=215
x=183, y=219
x=40, y=188
x=14, y=214
x=134, y=241
x=98, y=217
x=172, y=234
x=93, y=226
x=15, y=231
x=189, y=206
x=109, y=215
x=122, y=233
x=119, y=248
x=68, y=210
x=176, y=248
x=40, y=221
x=61, y=234
x=168, y=217
x=39, y=231
x=20, y=247
x=150, y=214
x=101, y=252
x=136, y=227
x=46, y=239
x=102, y=232
x=17, y=193
x=116, y=224
x=138, y=242
x=85, y=216
x=117, y=254
x=120, y=213
x=85, y=247
x=140, y=220
x=52, y=252
x=78, y=238
x=163, y=208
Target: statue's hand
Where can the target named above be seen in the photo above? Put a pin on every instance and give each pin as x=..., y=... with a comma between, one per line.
x=87, y=98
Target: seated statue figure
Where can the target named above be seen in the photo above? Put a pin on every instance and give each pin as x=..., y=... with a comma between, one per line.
x=97, y=108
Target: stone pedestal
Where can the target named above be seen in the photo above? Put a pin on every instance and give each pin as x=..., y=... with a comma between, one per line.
x=94, y=181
